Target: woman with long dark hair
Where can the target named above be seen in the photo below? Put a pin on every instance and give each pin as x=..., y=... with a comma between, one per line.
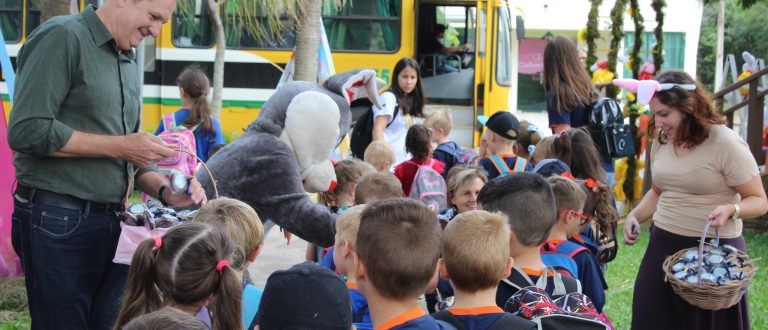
x=703, y=175
x=403, y=100
x=195, y=112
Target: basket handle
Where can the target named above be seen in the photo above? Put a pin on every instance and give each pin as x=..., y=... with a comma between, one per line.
x=701, y=246
x=210, y=174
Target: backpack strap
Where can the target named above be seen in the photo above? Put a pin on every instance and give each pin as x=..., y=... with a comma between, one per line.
x=565, y=247
x=520, y=164
x=394, y=115
x=518, y=279
x=509, y=321
x=446, y=316
x=169, y=121
x=500, y=164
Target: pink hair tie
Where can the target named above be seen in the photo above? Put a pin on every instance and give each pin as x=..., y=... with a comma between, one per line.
x=158, y=242
x=222, y=263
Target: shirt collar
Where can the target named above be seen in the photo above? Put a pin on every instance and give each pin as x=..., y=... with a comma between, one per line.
x=401, y=319
x=99, y=31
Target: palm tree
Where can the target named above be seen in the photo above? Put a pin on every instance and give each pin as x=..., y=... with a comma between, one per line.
x=261, y=20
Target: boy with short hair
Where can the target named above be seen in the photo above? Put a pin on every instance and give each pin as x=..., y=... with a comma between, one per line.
x=377, y=186
x=529, y=205
x=398, y=244
x=380, y=155
x=347, y=225
x=441, y=123
x=501, y=134
x=570, y=199
x=475, y=276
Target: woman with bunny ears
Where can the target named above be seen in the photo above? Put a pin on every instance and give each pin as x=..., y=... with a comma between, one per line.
x=703, y=175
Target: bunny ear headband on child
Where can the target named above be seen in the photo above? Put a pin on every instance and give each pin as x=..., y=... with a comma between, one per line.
x=646, y=88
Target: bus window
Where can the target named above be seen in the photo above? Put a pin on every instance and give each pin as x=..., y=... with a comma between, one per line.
x=10, y=19
x=190, y=25
x=367, y=26
x=503, y=49
x=150, y=44
x=481, y=21
x=284, y=39
x=33, y=17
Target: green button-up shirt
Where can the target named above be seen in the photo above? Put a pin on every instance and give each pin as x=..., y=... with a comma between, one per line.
x=70, y=76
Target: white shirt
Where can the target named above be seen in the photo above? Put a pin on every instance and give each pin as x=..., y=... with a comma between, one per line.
x=394, y=135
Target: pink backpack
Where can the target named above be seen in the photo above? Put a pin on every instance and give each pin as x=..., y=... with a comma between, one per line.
x=179, y=138
x=429, y=187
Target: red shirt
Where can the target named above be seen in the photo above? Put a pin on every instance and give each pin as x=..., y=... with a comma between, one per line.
x=406, y=171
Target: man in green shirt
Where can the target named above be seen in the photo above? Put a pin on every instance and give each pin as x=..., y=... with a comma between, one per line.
x=75, y=129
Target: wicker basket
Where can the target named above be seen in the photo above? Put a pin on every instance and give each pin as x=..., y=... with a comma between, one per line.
x=709, y=296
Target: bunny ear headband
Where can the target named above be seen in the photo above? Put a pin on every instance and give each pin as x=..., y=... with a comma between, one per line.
x=646, y=88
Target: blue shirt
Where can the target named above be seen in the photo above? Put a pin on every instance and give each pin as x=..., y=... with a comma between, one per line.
x=478, y=317
x=414, y=319
x=577, y=117
x=203, y=139
x=359, y=305
x=250, y=305
x=511, y=161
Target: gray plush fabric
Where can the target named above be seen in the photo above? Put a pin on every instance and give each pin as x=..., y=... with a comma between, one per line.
x=261, y=170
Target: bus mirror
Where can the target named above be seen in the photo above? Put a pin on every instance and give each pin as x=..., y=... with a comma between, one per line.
x=520, y=28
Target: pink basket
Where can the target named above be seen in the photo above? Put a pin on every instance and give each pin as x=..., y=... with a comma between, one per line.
x=130, y=238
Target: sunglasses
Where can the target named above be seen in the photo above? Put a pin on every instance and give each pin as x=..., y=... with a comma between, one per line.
x=584, y=218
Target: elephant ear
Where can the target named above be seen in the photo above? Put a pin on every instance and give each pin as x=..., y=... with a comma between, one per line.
x=356, y=84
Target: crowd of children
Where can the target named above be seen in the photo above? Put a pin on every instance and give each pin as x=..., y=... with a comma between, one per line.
x=507, y=225
x=524, y=211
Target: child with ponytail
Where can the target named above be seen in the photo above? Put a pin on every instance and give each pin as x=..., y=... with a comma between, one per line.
x=187, y=268
x=195, y=112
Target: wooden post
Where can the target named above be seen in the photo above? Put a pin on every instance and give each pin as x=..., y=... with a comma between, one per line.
x=755, y=122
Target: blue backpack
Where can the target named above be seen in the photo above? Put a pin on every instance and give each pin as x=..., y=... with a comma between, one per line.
x=461, y=156
x=560, y=257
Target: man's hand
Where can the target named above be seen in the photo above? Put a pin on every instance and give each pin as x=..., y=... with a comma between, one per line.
x=181, y=199
x=144, y=149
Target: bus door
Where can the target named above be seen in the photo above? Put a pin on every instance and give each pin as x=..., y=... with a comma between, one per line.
x=448, y=67
x=495, y=54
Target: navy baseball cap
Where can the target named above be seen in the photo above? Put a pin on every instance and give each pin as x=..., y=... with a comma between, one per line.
x=503, y=123
x=306, y=296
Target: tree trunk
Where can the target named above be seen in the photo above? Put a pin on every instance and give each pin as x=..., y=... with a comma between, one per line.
x=51, y=8
x=307, y=41
x=218, y=62
x=720, y=41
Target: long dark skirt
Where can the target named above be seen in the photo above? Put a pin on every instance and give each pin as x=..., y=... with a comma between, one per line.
x=655, y=306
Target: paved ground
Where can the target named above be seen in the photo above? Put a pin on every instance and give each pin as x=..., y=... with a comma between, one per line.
x=276, y=255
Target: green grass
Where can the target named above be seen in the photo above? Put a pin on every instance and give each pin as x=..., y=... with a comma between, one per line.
x=13, y=305
x=622, y=271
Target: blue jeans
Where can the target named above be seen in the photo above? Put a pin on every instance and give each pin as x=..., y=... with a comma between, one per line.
x=67, y=259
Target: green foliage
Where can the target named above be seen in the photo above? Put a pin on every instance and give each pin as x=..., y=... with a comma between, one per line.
x=637, y=18
x=658, y=56
x=593, y=33
x=622, y=271
x=617, y=37
x=744, y=31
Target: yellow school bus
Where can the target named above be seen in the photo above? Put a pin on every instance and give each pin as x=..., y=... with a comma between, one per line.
x=364, y=33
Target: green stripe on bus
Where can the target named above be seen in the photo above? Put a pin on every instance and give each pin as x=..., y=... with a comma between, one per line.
x=224, y=103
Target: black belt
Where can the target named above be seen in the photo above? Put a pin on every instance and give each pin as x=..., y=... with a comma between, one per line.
x=65, y=201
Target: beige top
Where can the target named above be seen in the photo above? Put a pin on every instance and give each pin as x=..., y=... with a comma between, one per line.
x=694, y=184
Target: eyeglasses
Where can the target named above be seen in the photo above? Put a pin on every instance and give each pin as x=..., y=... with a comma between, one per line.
x=583, y=217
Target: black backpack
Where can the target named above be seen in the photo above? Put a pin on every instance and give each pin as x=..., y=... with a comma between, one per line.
x=506, y=321
x=606, y=125
x=362, y=133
